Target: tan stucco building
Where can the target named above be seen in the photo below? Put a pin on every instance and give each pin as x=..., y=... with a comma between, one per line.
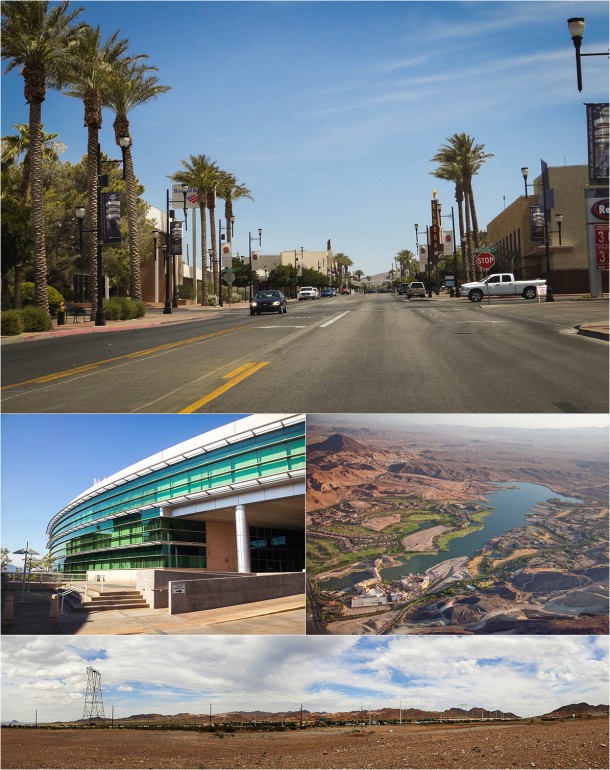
x=518, y=252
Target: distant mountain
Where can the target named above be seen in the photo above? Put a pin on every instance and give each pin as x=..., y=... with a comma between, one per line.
x=579, y=709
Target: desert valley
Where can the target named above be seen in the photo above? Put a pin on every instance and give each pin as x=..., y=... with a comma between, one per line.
x=450, y=529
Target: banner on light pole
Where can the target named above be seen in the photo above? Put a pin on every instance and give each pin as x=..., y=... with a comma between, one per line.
x=226, y=255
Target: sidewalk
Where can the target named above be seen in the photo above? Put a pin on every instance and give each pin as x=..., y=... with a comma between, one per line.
x=284, y=616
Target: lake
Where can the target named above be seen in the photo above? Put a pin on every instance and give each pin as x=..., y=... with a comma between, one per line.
x=510, y=505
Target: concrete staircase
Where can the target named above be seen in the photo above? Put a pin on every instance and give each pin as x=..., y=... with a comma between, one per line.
x=118, y=598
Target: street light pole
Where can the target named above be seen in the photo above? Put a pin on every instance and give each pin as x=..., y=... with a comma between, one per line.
x=250, y=239
x=576, y=28
x=155, y=235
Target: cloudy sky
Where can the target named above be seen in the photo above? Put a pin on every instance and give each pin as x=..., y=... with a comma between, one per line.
x=331, y=111
x=525, y=675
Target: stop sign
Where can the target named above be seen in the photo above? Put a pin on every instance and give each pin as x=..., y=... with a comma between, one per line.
x=486, y=260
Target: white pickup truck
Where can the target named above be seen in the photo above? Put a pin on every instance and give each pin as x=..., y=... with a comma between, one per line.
x=501, y=285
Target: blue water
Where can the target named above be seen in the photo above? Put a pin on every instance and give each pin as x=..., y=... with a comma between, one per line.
x=510, y=506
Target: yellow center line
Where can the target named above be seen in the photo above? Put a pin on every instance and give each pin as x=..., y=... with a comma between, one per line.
x=136, y=354
x=245, y=372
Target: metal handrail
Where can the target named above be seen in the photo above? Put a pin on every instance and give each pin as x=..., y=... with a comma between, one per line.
x=76, y=589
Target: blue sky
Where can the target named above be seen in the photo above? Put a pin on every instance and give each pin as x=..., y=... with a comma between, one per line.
x=330, y=111
x=526, y=675
x=47, y=460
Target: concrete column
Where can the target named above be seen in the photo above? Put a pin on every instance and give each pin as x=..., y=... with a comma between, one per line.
x=54, y=609
x=243, y=540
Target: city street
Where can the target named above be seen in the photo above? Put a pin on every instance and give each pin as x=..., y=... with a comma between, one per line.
x=360, y=353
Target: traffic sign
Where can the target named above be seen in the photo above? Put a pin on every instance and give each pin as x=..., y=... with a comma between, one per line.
x=486, y=260
x=228, y=276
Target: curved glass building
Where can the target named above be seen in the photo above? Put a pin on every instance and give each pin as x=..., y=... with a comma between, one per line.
x=230, y=500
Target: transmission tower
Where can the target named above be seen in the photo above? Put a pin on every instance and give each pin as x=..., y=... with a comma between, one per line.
x=94, y=705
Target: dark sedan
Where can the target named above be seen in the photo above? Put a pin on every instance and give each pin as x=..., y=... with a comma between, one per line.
x=268, y=301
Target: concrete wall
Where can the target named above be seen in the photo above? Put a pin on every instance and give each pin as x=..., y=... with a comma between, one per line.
x=153, y=584
x=210, y=592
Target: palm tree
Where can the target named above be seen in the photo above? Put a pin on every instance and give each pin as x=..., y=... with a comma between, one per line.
x=342, y=262
x=460, y=160
x=404, y=258
x=37, y=39
x=13, y=146
x=201, y=173
x=359, y=274
x=88, y=76
x=16, y=145
x=229, y=189
x=130, y=85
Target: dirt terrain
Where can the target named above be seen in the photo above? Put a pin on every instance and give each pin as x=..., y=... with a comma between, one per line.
x=578, y=743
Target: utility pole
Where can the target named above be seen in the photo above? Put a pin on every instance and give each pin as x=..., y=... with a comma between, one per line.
x=210, y=714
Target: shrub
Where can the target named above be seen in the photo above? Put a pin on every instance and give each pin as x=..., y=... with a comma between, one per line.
x=35, y=319
x=11, y=323
x=212, y=300
x=112, y=309
x=123, y=308
x=139, y=308
x=27, y=296
x=186, y=291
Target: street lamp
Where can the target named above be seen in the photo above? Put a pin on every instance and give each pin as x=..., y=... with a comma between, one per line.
x=576, y=28
x=25, y=551
x=250, y=239
x=167, y=307
x=155, y=236
x=559, y=220
x=525, y=171
x=124, y=143
x=221, y=237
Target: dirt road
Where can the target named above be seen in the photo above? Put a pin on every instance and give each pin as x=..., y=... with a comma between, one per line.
x=580, y=743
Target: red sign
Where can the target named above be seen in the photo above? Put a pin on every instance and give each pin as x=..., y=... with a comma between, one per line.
x=486, y=260
x=601, y=246
x=600, y=209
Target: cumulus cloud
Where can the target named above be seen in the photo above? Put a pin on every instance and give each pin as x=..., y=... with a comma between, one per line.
x=520, y=674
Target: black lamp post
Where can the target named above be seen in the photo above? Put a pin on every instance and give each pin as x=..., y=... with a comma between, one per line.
x=80, y=215
x=102, y=181
x=221, y=238
x=576, y=27
x=155, y=236
x=416, y=249
x=124, y=143
x=250, y=239
x=559, y=220
x=167, y=308
x=525, y=171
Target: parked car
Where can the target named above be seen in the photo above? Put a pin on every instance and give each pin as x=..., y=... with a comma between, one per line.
x=416, y=289
x=370, y=291
x=403, y=288
x=308, y=292
x=345, y=291
x=268, y=301
x=327, y=293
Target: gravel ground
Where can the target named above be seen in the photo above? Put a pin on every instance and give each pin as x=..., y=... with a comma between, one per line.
x=561, y=744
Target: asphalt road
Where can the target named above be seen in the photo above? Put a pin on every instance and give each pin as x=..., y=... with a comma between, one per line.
x=360, y=353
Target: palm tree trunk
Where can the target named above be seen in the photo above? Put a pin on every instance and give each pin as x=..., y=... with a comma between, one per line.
x=204, y=252
x=92, y=184
x=135, y=275
x=41, y=297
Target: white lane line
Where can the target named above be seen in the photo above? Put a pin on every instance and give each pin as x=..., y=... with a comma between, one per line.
x=283, y=326
x=332, y=320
